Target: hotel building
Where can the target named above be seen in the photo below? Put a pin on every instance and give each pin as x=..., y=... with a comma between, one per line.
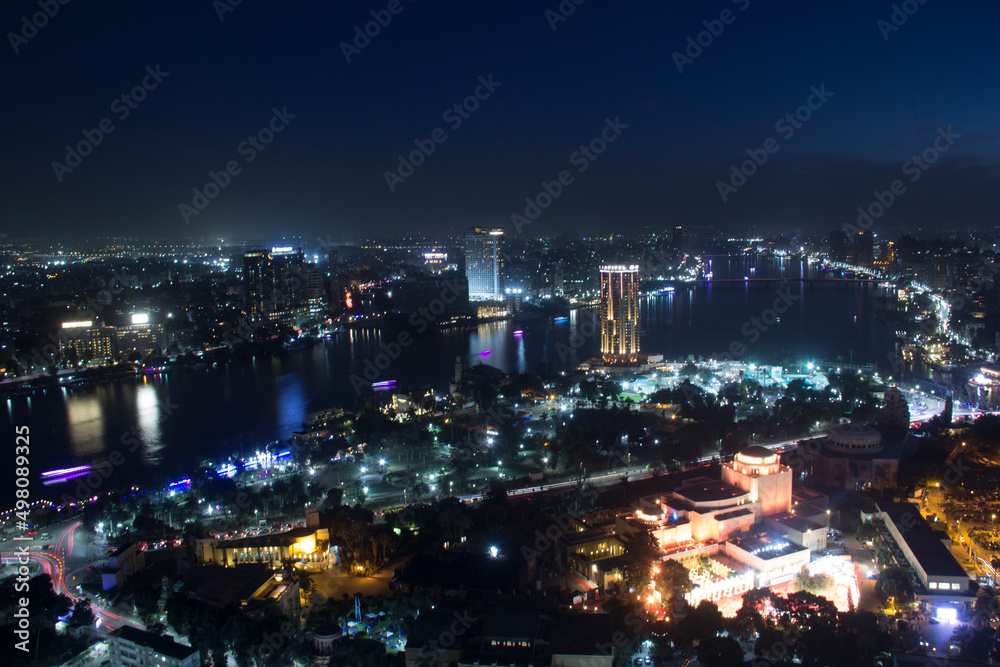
x=619, y=312
x=484, y=264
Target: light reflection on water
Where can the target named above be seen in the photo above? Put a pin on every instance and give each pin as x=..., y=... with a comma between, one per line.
x=266, y=398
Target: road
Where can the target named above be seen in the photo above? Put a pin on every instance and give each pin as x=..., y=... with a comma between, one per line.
x=68, y=559
x=607, y=478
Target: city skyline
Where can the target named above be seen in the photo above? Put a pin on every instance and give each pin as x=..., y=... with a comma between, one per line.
x=561, y=333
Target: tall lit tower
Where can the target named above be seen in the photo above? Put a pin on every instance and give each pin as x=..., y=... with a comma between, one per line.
x=484, y=264
x=288, y=265
x=258, y=285
x=619, y=312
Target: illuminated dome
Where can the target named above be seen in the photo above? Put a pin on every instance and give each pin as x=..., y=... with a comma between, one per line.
x=853, y=438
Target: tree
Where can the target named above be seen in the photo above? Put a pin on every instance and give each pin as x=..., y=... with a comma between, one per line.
x=641, y=554
x=817, y=584
x=720, y=652
x=894, y=582
x=157, y=628
x=674, y=583
x=45, y=604
x=82, y=614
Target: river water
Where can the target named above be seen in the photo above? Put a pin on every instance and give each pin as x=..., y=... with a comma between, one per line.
x=162, y=423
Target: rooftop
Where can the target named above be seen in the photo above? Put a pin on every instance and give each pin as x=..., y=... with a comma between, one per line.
x=796, y=522
x=766, y=546
x=703, y=492
x=511, y=625
x=221, y=586
x=573, y=538
x=161, y=644
x=577, y=633
x=286, y=538
x=923, y=541
x=732, y=514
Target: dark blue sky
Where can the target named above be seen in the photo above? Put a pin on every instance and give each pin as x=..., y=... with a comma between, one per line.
x=324, y=174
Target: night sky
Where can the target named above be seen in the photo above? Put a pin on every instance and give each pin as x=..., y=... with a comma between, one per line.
x=324, y=173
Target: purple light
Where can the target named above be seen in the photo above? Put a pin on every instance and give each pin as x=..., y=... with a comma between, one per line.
x=64, y=471
x=518, y=333
x=386, y=383
x=485, y=353
x=65, y=478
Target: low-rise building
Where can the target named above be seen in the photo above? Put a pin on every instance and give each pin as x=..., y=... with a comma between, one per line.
x=251, y=588
x=927, y=553
x=131, y=647
x=122, y=563
x=307, y=544
x=522, y=636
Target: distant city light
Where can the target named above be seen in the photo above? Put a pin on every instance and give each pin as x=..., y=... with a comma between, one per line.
x=81, y=324
x=140, y=318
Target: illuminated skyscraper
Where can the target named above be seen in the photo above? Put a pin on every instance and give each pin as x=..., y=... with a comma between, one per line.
x=288, y=265
x=258, y=285
x=484, y=264
x=619, y=312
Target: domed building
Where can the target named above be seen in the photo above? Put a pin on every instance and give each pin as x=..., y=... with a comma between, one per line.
x=851, y=456
x=733, y=533
x=758, y=471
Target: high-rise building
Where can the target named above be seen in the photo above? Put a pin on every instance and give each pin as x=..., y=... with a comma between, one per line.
x=277, y=286
x=86, y=341
x=336, y=293
x=678, y=237
x=838, y=245
x=141, y=337
x=484, y=264
x=887, y=255
x=619, y=312
x=864, y=249
x=288, y=265
x=312, y=289
x=258, y=285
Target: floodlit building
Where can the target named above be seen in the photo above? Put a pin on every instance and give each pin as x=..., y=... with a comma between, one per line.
x=305, y=545
x=619, y=312
x=141, y=336
x=735, y=533
x=87, y=341
x=484, y=264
